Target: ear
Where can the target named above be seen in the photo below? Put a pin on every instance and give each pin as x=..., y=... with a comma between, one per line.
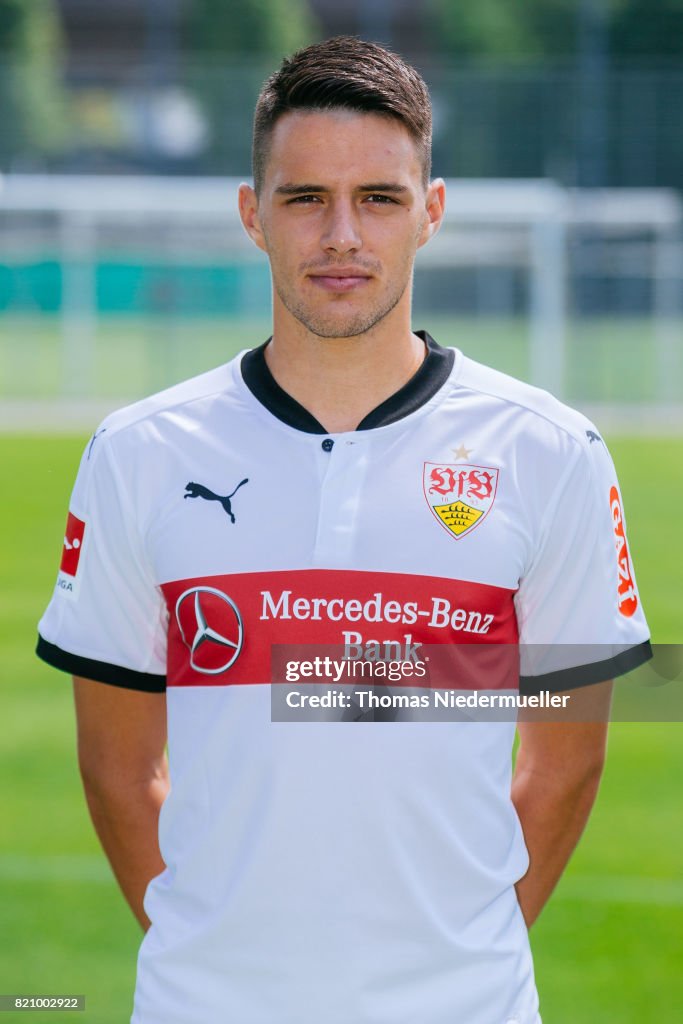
x=435, y=207
x=249, y=215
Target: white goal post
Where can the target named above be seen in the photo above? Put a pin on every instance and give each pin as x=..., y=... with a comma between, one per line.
x=528, y=225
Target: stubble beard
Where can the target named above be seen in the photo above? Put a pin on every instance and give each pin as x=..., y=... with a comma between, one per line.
x=339, y=325
x=331, y=324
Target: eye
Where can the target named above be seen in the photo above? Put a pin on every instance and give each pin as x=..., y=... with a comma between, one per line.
x=379, y=199
x=299, y=200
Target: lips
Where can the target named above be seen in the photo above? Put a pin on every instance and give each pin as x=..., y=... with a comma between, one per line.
x=340, y=280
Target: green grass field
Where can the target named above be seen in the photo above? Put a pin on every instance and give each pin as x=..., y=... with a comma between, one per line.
x=608, y=947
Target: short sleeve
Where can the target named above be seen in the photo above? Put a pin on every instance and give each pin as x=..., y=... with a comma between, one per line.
x=107, y=618
x=579, y=612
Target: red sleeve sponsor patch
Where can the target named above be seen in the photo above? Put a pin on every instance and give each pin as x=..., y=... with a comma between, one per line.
x=73, y=542
x=626, y=589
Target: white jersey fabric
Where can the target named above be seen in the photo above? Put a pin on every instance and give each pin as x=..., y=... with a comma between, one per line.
x=335, y=872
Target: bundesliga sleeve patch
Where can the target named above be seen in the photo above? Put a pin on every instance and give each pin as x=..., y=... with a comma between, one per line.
x=71, y=553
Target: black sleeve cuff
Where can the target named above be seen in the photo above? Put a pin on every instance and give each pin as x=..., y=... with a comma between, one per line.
x=100, y=671
x=586, y=675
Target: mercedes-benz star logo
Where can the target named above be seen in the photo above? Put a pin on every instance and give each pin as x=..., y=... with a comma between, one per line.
x=209, y=644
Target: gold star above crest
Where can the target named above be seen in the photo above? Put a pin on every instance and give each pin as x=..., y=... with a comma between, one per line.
x=462, y=452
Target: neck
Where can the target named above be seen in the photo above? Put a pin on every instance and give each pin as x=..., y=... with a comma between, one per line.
x=341, y=380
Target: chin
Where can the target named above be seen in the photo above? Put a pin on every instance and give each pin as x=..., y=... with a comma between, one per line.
x=349, y=325
x=348, y=322
x=339, y=330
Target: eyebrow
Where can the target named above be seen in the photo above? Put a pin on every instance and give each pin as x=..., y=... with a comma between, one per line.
x=384, y=186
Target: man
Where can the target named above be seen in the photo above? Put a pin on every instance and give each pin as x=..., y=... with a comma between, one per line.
x=350, y=482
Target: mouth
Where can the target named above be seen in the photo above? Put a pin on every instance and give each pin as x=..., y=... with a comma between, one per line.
x=340, y=280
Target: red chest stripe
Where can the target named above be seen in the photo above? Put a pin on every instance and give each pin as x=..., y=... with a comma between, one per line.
x=222, y=628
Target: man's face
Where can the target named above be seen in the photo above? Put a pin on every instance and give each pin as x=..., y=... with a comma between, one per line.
x=341, y=213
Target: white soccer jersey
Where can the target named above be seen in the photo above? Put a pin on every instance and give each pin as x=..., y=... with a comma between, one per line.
x=335, y=872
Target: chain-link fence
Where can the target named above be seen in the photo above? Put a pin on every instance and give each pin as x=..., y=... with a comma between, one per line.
x=117, y=114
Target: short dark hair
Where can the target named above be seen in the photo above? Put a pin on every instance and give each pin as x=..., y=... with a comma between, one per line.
x=348, y=73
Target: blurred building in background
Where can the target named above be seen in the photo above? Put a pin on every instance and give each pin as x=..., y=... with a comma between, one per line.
x=586, y=92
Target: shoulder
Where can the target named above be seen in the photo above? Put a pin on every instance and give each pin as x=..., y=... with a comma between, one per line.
x=138, y=442
x=174, y=400
x=162, y=421
x=534, y=414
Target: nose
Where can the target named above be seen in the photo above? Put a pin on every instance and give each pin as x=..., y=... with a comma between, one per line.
x=341, y=232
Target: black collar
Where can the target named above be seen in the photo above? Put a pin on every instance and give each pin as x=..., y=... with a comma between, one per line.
x=422, y=386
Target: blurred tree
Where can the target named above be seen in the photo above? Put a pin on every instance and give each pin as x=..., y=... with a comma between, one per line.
x=645, y=28
x=34, y=111
x=496, y=28
x=253, y=35
x=548, y=28
x=270, y=27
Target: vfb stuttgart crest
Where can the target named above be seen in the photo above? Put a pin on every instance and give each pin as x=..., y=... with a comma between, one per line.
x=459, y=495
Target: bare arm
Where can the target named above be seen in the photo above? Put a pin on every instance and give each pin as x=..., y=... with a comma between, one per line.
x=556, y=779
x=121, y=754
